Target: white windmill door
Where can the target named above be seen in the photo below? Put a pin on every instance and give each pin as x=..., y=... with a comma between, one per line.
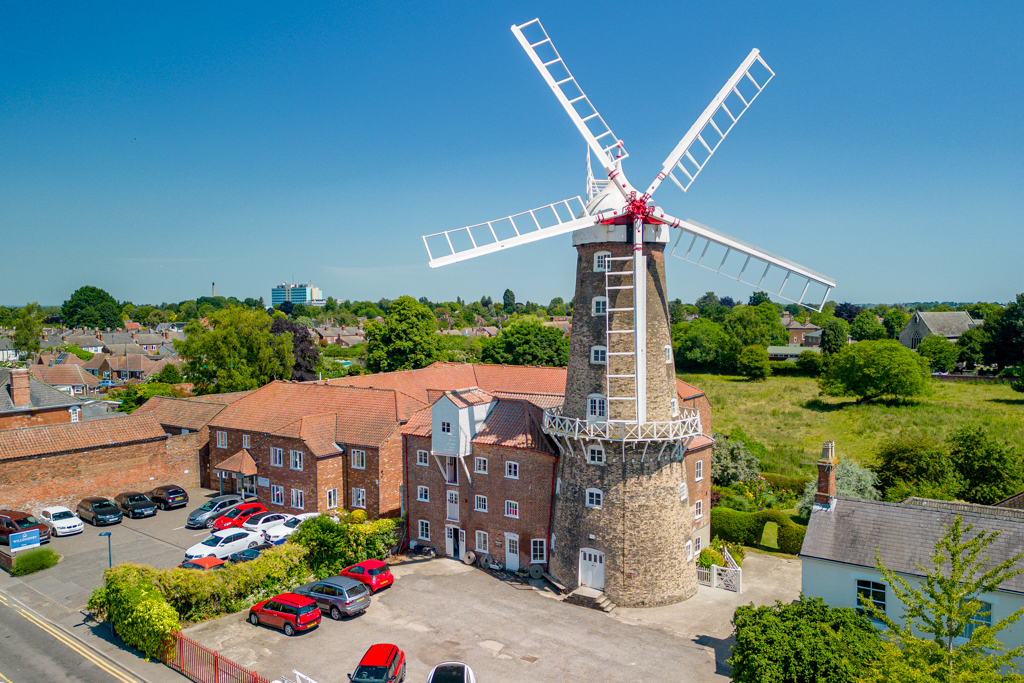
x=592, y=568
x=512, y=552
x=462, y=544
x=450, y=544
x=453, y=506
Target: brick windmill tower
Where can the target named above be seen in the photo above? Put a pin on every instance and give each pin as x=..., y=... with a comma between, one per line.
x=622, y=514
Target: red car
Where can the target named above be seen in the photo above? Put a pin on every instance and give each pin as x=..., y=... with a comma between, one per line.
x=289, y=612
x=237, y=516
x=202, y=563
x=373, y=573
x=382, y=663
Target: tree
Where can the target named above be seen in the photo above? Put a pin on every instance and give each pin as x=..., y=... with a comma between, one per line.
x=169, y=374
x=727, y=301
x=847, y=312
x=990, y=471
x=286, y=307
x=754, y=325
x=709, y=299
x=700, y=343
x=945, y=633
x=911, y=464
x=811, y=362
x=872, y=369
x=304, y=348
x=835, y=333
x=802, y=641
x=406, y=341
x=509, y=301
x=973, y=343
x=758, y=298
x=236, y=352
x=866, y=327
x=28, y=331
x=852, y=481
x=983, y=311
x=752, y=363
x=732, y=461
x=1006, y=330
x=134, y=395
x=91, y=307
x=940, y=353
x=527, y=343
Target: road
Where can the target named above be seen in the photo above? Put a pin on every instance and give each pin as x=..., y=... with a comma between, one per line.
x=34, y=651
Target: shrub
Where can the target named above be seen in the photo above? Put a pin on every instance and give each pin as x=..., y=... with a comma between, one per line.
x=752, y=362
x=852, y=481
x=334, y=544
x=810, y=362
x=731, y=461
x=709, y=556
x=762, y=517
x=791, y=538
x=357, y=516
x=139, y=612
x=34, y=560
x=733, y=526
x=737, y=551
x=781, y=481
x=787, y=368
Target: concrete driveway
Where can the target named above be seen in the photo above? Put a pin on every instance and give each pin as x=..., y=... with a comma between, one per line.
x=511, y=631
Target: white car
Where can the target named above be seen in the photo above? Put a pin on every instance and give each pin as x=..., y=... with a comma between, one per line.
x=278, y=534
x=265, y=521
x=221, y=544
x=62, y=521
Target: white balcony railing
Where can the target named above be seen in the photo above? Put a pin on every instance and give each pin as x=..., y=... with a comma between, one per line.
x=687, y=426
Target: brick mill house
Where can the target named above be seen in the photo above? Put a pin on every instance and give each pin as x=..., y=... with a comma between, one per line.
x=25, y=401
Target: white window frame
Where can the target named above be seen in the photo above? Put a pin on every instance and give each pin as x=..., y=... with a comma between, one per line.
x=675, y=406
x=599, y=306
x=298, y=499
x=599, y=355
x=595, y=454
x=594, y=499
x=558, y=487
x=424, y=530
x=295, y=460
x=696, y=545
x=689, y=551
x=482, y=538
x=358, y=459
x=423, y=494
x=423, y=458
x=511, y=469
x=698, y=509
x=276, y=494
x=698, y=470
x=276, y=456
x=601, y=262
x=540, y=544
x=358, y=498
x=477, y=507
x=222, y=439
x=332, y=498
x=597, y=408
x=479, y=465
x=446, y=427
x=245, y=441
x=668, y=353
x=512, y=509
x=76, y=413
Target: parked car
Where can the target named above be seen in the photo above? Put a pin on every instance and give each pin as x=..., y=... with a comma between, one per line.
x=15, y=521
x=62, y=522
x=451, y=672
x=202, y=563
x=238, y=515
x=278, y=534
x=98, y=510
x=107, y=383
x=265, y=521
x=373, y=573
x=288, y=612
x=382, y=663
x=221, y=544
x=249, y=554
x=211, y=510
x=135, y=504
x=169, y=496
x=339, y=596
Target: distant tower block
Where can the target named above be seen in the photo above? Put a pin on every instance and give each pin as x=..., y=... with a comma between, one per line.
x=214, y=289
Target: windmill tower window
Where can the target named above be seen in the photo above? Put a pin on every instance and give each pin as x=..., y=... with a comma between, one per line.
x=595, y=455
x=600, y=305
x=595, y=497
x=601, y=261
x=675, y=407
x=597, y=408
x=599, y=355
x=668, y=353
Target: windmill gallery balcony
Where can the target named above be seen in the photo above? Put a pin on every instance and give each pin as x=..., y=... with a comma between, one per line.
x=687, y=426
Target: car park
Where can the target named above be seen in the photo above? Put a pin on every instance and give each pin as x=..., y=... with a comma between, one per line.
x=288, y=612
x=15, y=521
x=98, y=510
x=135, y=504
x=249, y=554
x=265, y=521
x=451, y=672
x=382, y=663
x=238, y=515
x=279, y=534
x=62, y=521
x=206, y=515
x=221, y=544
x=169, y=496
x=338, y=596
x=373, y=573
x=202, y=564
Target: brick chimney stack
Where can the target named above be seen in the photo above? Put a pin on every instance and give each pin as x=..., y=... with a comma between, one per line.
x=826, y=475
x=20, y=388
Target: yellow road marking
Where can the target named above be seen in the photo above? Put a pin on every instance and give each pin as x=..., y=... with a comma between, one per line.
x=5, y=679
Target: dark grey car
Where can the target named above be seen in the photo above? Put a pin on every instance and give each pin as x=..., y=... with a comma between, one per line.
x=338, y=596
x=135, y=504
x=214, y=508
x=97, y=510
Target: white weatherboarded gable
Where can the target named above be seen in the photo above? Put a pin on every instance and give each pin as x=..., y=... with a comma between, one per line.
x=465, y=423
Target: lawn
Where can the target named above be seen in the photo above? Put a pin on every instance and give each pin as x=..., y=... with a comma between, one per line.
x=789, y=415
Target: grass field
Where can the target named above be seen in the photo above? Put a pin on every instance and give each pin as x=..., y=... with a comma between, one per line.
x=789, y=415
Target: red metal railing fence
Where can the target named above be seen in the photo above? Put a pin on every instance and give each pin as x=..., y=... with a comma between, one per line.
x=206, y=666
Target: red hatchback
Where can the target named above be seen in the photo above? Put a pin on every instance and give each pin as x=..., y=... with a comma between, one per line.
x=289, y=612
x=373, y=573
x=237, y=516
x=382, y=663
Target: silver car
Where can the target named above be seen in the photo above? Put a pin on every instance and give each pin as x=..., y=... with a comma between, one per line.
x=214, y=508
x=338, y=596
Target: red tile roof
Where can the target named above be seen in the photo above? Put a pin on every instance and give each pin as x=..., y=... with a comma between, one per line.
x=190, y=414
x=687, y=391
x=223, y=399
x=64, y=375
x=78, y=436
x=464, y=398
x=241, y=462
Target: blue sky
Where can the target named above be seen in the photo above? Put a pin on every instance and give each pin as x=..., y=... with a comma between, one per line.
x=152, y=151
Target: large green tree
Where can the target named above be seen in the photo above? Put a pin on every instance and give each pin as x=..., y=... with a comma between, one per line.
x=236, y=352
x=834, y=335
x=912, y=464
x=28, y=331
x=1006, y=331
x=91, y=307
x=866, y=327
x=752, y=363
x=304, y=347
x=873, y=369
x=508, y=301
x=527, y=343
x=754, y=325
x=940, y=353
x=989, y=470
x=699, y=344
x=407, y=340
x=709, y=299
x=973, y=343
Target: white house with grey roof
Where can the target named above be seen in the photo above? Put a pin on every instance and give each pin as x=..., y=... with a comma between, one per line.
x=948, y=324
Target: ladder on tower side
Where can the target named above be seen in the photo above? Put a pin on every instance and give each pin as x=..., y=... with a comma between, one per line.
x=619, y=364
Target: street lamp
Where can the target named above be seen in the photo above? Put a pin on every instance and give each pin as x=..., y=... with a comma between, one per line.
x=110, y=553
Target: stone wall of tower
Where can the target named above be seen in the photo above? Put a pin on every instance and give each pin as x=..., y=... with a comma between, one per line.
x=642, y=527
x=585, y=378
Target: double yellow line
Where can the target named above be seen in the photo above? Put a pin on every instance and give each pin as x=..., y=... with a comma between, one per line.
x=71, y=643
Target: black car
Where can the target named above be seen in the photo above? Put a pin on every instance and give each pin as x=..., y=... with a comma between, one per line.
x=169, y=496
x=97, y=510
x=135, y=504
x=249, y=553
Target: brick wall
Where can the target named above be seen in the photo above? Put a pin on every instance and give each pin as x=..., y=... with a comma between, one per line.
x=34, y=418
x=391, y=471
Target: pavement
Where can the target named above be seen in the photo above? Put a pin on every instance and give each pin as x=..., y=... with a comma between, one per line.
x=512, y=630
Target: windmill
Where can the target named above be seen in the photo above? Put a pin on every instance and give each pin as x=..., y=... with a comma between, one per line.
x=622, y=435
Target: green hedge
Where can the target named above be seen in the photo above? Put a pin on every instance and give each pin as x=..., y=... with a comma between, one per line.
x=34, y=560
x=788, y=368
x=334, y=543
x=746, y=528
x=710, y=556
x=792, y=484
x=140, y=614
x=791, y=538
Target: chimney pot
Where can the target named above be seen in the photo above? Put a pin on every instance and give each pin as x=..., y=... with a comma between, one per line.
x=826, y=475
x=21, y=392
